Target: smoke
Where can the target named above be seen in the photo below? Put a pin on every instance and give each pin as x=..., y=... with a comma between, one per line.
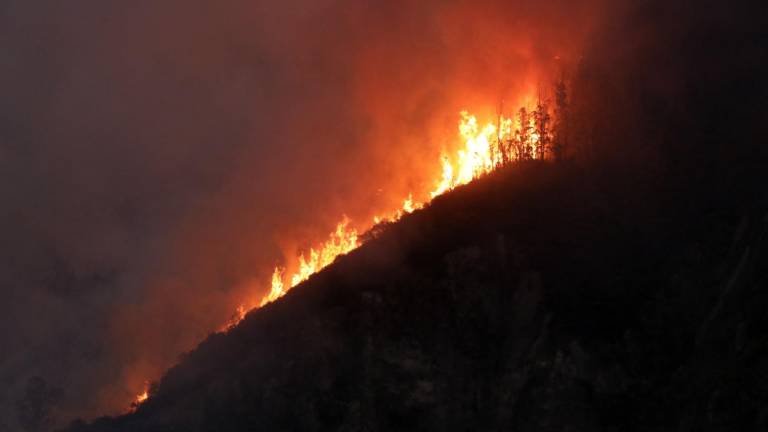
x=158, y=158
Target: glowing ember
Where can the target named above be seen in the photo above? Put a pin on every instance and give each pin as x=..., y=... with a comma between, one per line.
x=140, y=398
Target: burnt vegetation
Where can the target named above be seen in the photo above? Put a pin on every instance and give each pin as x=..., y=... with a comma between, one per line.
x=620, y=285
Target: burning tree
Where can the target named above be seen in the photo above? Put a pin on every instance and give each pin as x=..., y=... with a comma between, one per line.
x=527, y=134
x=523, y=138
x=541, y=119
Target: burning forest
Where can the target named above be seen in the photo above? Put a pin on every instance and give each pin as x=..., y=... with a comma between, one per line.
x=404, y=215
x=531, y=134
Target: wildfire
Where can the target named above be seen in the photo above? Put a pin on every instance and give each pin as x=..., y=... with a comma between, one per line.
x=341, y=241
x=140, y=398
x=485, y=148
x=238, y=316
x=479, y=156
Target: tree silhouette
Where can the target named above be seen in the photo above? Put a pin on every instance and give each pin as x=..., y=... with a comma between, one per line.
x=560, y=144
x=523, y=139
x=541, y=120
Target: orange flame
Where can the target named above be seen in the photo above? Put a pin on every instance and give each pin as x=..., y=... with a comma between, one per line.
x=341, y=241
x=479, y=156
x=484, y=149
x=140, y=398
x=482, y=152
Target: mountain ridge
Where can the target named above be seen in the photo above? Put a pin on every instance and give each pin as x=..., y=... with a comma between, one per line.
x=538, y=297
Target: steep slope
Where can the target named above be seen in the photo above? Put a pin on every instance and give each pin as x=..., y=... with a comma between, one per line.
x=541, y=297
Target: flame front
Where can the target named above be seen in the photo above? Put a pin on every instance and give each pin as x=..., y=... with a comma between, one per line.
x=341, y=241
x=485, y=148
x=481, y=153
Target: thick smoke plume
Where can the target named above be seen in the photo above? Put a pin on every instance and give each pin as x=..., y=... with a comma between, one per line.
x=158, y=158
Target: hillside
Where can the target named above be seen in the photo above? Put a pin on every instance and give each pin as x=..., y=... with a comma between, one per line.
x=542, y=297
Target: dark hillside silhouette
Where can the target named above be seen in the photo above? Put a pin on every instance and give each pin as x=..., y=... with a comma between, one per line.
x=623, y=288
x=492, y=309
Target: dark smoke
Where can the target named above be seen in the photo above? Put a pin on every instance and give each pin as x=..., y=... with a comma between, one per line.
x=157, y=158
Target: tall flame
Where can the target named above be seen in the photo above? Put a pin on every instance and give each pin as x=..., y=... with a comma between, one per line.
x=141, y=398
x=480, y=155
x=341, y=241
